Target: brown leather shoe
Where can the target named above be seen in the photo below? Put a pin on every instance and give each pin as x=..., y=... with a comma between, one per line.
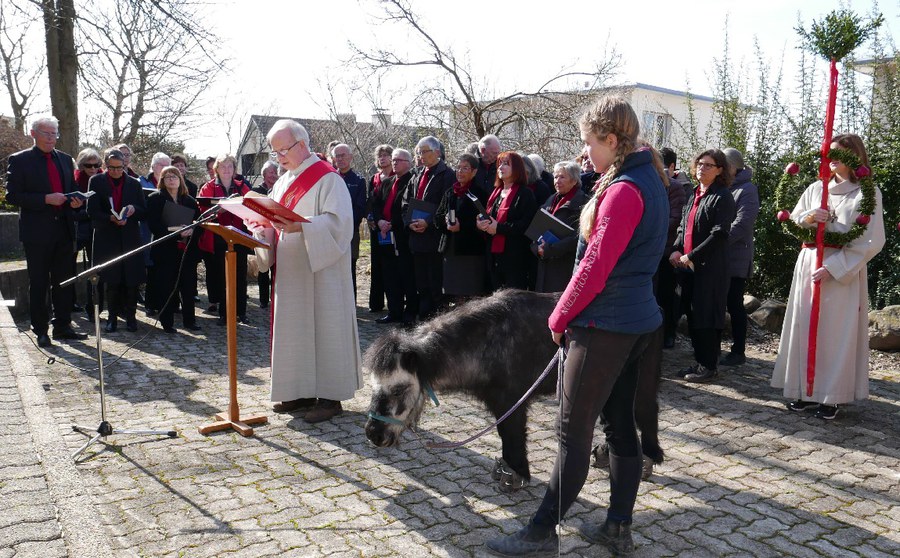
x=324, y=411
x=303, y=404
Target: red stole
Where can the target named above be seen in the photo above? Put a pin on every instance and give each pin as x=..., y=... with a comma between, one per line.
x=460, y=190
x=423, y=183
x=562, y=201
x=689, y=228
x=389, y=202
x=56, y=185
x=498, y=243
x=116, y=188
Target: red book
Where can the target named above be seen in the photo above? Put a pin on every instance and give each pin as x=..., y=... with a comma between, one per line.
x=260, y=210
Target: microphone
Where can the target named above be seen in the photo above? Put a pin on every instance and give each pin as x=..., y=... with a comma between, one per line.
x=215, y=209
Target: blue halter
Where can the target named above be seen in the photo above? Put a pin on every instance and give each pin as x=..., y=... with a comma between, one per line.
x=392, y=420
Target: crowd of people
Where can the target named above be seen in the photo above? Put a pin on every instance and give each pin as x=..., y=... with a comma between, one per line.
x=635, y=243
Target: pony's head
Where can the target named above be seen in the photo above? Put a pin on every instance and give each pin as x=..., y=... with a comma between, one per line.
x=398, y=395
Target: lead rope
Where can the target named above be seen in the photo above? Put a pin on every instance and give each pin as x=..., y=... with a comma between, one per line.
x=560, y=392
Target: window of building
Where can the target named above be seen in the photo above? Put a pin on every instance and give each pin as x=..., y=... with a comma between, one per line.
x=657, y=128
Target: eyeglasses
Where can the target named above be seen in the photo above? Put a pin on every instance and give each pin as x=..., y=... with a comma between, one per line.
x=91, y=165
x=421, y=152
x=707, y=166
x=115, y=168
x=51, y=135
x=399, y=160
x=172, y=176
x=283, y=152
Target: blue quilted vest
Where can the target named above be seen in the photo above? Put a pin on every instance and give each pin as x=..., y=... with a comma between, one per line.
x=627, y=304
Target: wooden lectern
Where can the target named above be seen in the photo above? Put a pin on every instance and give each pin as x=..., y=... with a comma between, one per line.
x=233, y=418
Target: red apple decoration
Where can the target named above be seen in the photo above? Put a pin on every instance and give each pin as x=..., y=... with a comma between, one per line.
x=792, y=168
x=862, y=172
x=898, y=226
x=784, y=214
x=863, y=219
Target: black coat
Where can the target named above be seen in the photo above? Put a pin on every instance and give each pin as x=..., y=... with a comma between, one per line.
x=468, y=241
x=556, y=266
x=541, y=190
x=27, y=182
x=485, y=177
x=440, y=180
x=709, y=255
x=167, y=255
x=112, y=240
x=516, y=258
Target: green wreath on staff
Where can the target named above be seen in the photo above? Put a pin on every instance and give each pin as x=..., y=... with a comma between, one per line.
x=866, y=204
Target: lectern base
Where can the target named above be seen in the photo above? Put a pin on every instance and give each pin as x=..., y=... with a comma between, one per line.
x=242, y=425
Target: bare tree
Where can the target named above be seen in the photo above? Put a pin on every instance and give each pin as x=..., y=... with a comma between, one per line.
x=19, y=79
x=62, y=68
x=468, y=105
x=145, y=68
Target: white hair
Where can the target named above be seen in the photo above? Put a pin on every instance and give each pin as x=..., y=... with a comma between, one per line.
x=268, y=164
x=488, y=139
x=333, y=149
x=48, y=120
x=571, y=168
x=431, y=142
x=403, y=152
x=538, y=162
x=298, y=132
x=159, y=157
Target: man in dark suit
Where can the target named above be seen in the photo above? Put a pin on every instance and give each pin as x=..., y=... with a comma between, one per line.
x=428, y=183
x=37, y=181
x=356, y=185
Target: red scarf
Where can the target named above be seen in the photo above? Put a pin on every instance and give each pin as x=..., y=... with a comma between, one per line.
x=423, y=183
x=498, y=243
x=389, y=202
x=689, y=229
x=81, y=180
x=562, y=201
x=377, y=180
x=116, y=187
x=461, y=189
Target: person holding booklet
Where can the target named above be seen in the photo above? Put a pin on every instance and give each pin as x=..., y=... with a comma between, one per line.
x=556, y=256
x=224, y=185
x=115, y=209
x=511, y=207
x=464, y=244
x=174, y=280
x=316, y=362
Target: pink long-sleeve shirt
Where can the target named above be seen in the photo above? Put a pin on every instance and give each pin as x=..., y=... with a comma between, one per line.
x=619, y=211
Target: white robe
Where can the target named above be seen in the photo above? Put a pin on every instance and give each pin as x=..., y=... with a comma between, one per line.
x=842, y=343
x=315, y=349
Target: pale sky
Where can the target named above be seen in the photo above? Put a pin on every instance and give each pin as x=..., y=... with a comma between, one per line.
x=284, y=50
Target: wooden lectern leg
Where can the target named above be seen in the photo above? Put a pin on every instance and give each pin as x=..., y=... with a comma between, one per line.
x=241, y=425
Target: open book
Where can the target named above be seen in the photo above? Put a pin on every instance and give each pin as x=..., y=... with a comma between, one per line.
x=77, y=194
x=120, y=215
x=259, y=209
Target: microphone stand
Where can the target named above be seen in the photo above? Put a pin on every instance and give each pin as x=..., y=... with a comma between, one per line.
x=93, y=276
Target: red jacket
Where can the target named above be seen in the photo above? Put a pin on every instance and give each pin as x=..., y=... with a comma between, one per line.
x=214, y=189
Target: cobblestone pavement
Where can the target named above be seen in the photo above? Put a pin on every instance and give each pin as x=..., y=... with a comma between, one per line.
x=743, y=477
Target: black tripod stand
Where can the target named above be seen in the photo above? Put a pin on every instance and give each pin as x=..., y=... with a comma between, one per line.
x=93, y=275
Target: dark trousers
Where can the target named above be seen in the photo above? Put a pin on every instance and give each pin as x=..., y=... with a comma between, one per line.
x=507, y=271
x=429, y=269
x=735, y=305
x=101, y=287
x=667, y=298
x=171, y=288
x=218, y=270
x=398, y=276
x=600, y=379
x=376, y=283
x=706, y=341
x=122, y=301
x=48, y=265
x=264, y=280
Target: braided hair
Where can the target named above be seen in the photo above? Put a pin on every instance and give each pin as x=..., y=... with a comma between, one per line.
x=609, y=115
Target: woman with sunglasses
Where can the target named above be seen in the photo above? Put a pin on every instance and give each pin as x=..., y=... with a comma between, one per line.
x=88, y=164
x=700, y=259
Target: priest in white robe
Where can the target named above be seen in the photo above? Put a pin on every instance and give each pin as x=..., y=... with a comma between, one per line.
x=316, y=360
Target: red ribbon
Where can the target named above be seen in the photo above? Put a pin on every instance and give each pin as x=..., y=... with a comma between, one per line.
x=825, y=177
